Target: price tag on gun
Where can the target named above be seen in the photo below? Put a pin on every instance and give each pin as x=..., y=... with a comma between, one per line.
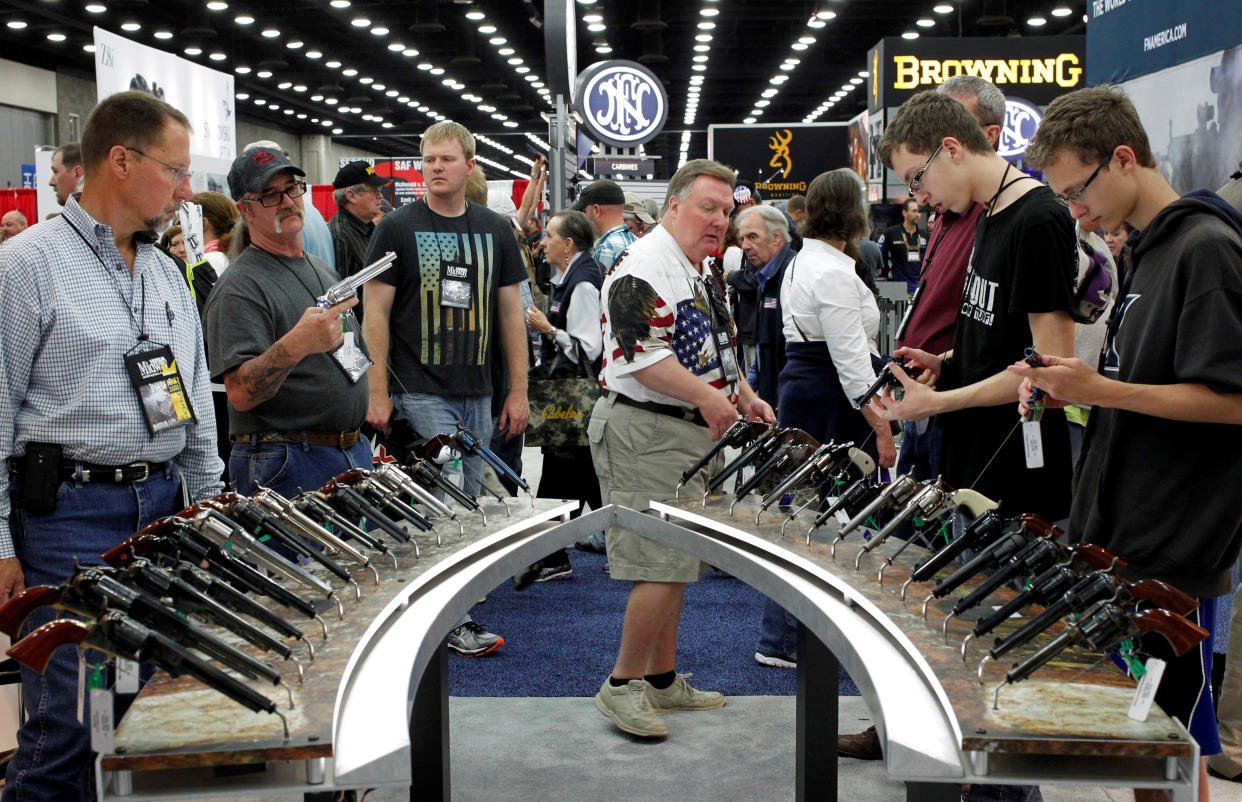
x=347, y=287
x=1032, y=441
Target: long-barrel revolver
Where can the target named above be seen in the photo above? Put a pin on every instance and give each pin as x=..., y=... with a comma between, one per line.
x=741, y=434
x=301, y=524
x=120, y=635
x=347, y=287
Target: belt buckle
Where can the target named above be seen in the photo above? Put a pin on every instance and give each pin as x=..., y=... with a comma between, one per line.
x=340, y=440
x=146, y=472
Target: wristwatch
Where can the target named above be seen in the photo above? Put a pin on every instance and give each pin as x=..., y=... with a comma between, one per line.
x=550, y=333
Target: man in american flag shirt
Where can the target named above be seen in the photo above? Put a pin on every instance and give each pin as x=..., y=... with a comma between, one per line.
x=672, y=387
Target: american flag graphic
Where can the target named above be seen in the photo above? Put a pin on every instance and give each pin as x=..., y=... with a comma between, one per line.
x=690, y=337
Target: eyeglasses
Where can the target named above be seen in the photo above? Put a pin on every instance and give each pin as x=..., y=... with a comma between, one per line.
x=179, y=173
x=1076, y=195
x=295, y=190
x=916, y=183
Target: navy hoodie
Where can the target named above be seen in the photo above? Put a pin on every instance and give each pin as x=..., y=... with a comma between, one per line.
x=1162, y=494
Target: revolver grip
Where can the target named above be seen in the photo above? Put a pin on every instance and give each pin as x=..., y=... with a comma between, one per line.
x=17, y=609
x=1180, y=633
x=37, y=648
x=124, y=553
x=1163, y=595
x=1095, y=557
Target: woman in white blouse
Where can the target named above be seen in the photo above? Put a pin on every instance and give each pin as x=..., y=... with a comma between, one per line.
x=831, y=322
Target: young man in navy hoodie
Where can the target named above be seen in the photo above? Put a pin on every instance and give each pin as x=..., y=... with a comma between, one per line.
x=1156, y=483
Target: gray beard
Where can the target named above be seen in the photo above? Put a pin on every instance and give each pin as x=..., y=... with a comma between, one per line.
x=276, y=222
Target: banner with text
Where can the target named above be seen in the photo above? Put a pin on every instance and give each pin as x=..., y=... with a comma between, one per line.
x=1127, y=38
x=202, y=94
x=780, y=158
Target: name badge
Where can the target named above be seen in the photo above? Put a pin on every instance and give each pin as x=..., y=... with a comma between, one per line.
x=456, y=284
x=161, y=393
x=728, y=357
x=351, y=358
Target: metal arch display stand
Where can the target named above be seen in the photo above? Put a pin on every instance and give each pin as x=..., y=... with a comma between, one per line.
x=920, y=708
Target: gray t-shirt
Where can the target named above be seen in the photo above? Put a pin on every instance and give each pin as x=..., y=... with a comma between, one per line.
x=259, y=299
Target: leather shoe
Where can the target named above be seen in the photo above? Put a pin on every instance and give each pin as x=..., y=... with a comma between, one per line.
x=1218, y=775
x=863, y=746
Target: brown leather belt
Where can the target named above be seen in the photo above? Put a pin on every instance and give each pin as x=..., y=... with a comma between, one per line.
x=338, y=439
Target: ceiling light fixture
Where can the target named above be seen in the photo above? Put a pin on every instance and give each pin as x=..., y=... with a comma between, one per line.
x=163, y=34
x=244, y=19
x=1062, y=11
x=942, y=8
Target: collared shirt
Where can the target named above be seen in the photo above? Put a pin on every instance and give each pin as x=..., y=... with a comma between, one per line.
x=655, y=307
x=609, y=246
x=824, y=300
x=350, y=237
x=72, y=311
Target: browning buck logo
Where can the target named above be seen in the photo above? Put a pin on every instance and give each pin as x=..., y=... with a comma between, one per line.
x=778, y=143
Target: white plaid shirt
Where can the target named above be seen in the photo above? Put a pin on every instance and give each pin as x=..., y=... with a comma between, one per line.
x=68, y=322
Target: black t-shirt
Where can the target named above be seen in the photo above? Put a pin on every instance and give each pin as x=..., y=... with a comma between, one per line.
x=257, y=301
x=903, y=251
x=434, y=348
x=1163, y=494
x=1023, y=262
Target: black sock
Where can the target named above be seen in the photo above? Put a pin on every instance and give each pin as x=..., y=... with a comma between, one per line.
x=617, y=683
x=661, y=681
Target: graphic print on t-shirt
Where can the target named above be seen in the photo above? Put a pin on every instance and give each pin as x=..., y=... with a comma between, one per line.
x=690, y=337
x=979, y=296
x=452, y=336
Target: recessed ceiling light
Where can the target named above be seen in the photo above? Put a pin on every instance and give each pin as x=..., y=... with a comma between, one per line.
x=1062, y=11
x=56, y=37
x=702, y=48
x=592, y=17
x=706, y=26
x=475, y=16
x=393, y=92
x=242, y=70
x=702, y=37
x=597, y=27
x=284, y=84
x=699, y=59
x=360, y=22
x=409, y=52
x=193, y=50
x=749, y=120
x=288, y=111
x=603, y=50
x=349, y=72
x=799, y=46
x=299, y=87
x=243, y=95
x=497, y=40
x=942, y=8
x=762, y=104
x=864, y=74
x=787, y=66
x=522, y=70
x=217, y=5
x=314, y=54
x=338, y=130
x=264, y=73
x=769, y=92
x=487, y=29
x=437, y=70
x=163, y=34
x=425, y=65
x=925, y=22
x=96, y=8
x=910, y=35
x=506, y=51
x=244, y=19
x=379, y=30
x=258, y=101
x=856, y=81
x=699, y=67
x=218, y=56
x=366, y=79
x=709, y=12
x=515, y=61
x=331, y=101
x=89, y=47
x=274, y=106
x=270, y=33
x=302, y=116
x=340, y=3
x=815, y=22
x=806, y=40
x=825, y=15
x=125, y=26
x=1036, y=21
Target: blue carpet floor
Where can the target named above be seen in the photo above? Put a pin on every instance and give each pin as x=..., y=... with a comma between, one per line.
x=561, y=638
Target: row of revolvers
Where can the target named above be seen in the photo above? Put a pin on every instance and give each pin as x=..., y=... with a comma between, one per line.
x=1079, y=585
x=213, y=563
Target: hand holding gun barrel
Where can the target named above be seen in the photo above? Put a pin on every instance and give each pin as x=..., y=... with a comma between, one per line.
x=888, y=379
x=760, y=450
x=120, y=635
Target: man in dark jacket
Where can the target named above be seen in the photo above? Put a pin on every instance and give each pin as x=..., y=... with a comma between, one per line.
x=765, y=242
x=903, y=246
x=1170, y=380
x=356, y=190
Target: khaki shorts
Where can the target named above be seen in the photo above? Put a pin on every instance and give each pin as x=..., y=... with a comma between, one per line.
x=639, y=457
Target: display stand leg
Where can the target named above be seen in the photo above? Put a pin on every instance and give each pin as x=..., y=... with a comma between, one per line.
x=816, y=719
x=933, y=792
x=429, y=733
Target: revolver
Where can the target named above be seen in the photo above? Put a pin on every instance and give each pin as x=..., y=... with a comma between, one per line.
x=347, y=287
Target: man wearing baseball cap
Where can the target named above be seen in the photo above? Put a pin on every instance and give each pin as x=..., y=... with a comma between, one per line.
x=637, y=219
x=294, y=373
x=604, y=204
x=356, y=190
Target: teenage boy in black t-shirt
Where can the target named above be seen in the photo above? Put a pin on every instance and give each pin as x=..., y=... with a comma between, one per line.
x=1157, y=481
x=1019, y=289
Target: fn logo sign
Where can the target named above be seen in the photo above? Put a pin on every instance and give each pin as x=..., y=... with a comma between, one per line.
x=106, y=56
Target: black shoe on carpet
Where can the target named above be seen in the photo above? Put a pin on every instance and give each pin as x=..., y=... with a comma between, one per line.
x=589, y=546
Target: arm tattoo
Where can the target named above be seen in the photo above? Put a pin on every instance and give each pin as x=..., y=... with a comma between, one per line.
x=262, y=376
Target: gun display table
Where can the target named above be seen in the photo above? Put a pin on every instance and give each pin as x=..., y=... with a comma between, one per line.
x=352, y=726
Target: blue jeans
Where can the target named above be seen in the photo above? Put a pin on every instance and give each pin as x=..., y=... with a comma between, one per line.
x=778, y=633
x=290, y=468
x=438, y=414
x=53, y=760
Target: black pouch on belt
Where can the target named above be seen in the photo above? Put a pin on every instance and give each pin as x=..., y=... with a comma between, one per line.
x=40, y=477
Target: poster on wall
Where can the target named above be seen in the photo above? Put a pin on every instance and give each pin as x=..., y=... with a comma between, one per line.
x=860, y=146
x=780, y=158
x=204, y=95
x=1127, y=39
x=406, y=174
x=1193, y=117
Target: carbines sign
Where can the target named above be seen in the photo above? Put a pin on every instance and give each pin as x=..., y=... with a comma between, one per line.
x=621, y=103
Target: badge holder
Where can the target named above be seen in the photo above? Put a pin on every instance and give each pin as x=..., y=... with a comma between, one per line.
x=722, y=336
x=456, y=285
x=153, y=372
x=349, y=356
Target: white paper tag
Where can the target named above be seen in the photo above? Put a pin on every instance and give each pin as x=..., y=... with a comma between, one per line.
x=1033, y=444
x=102, y=736
x=1145, y=693
x=126, y=676
x=81, y=686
